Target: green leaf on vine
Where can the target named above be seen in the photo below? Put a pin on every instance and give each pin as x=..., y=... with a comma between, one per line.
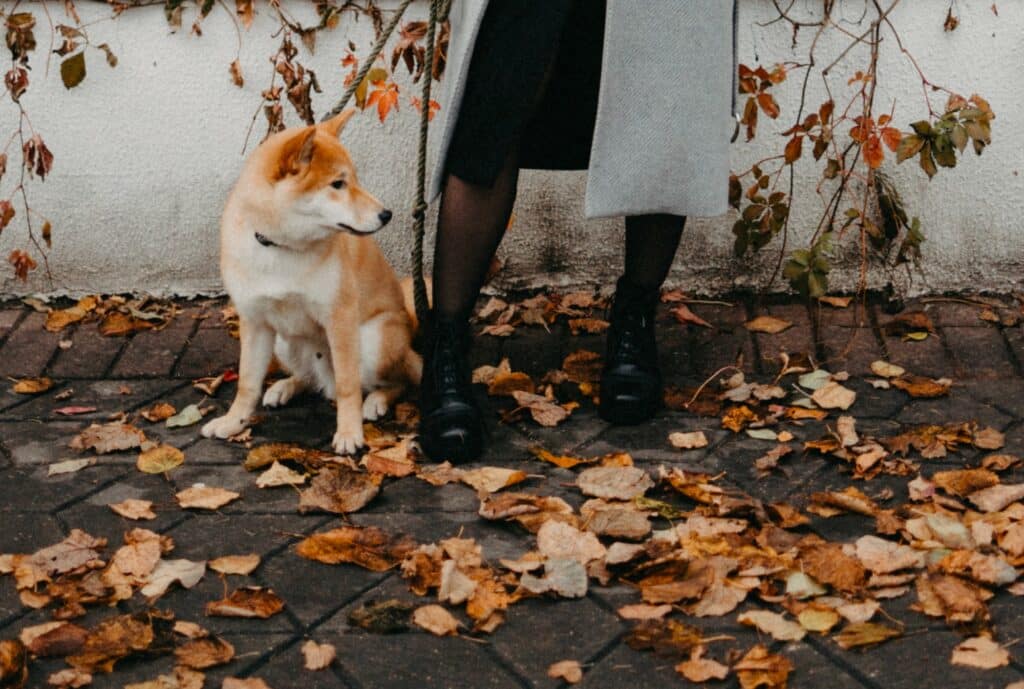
x=72, y=70
x=807, y=269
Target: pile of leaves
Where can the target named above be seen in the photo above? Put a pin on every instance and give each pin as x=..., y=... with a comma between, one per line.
x=115, y=316
x=689, y=543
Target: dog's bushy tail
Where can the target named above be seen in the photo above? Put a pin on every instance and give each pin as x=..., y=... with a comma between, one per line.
x=410, y=304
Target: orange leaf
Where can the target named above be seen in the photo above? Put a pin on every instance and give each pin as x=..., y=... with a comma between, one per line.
x=793, y=149
x=892, y=136
x=768, y=104
x=873, y=152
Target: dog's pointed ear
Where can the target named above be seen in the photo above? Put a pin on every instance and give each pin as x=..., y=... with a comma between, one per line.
x=298, y=151
x=334, y=125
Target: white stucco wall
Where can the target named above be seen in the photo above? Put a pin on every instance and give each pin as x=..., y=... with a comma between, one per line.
x=146, y=152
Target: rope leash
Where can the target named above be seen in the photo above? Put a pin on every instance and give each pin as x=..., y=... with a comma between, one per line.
x=438, y=13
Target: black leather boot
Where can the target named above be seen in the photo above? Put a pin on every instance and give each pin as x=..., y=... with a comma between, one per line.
x=631, y=387
x=451, y=425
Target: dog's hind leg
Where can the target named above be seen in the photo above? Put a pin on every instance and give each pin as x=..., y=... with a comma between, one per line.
x=295, y=357
x=282, y=391
x=379, y=400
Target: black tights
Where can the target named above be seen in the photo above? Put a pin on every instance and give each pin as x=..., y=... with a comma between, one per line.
x=472, y=220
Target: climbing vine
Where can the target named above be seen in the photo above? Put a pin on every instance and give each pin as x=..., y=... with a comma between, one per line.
x=849, y=134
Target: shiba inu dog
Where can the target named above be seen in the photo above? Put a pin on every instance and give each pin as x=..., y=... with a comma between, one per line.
x=310, y=285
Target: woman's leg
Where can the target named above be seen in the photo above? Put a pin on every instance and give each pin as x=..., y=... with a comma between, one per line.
x=631, y=388
x=470, y=224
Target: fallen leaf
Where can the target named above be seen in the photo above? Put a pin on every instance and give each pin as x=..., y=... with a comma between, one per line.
x=583, y=366
x=69, y=466
x=828, y=564
x=486, y=373
x=614, y=483
x=832, y=395
x=865, y=634
x=247, y=683
x=664, y=637
x=643, y=611
x=921, y=387
x=188, y=416
x=558, y=540
x=759, y=668
x=235, y=564
x=563, y=461
x=53, y=639
x=883, y=557
x=247, y=601
x=69, y=678
x=32, y=386
x=367, y=547
x=565, y=577
x=989, y=439
x=339, y=490
x=774, y=624
x=506, y=383
x=393, y=461
x=684, y=315
x=996, y=498
x=58, y=319
x=109, y=437
x=699, y=669
x=688, y=441
x=544, y=411
x=134, y=509
x=836, y=302
x=318, y=656
x=386, y=617
x=887, y=370
x=818, y=618
x=592, y=326
x=185, y=572
x=963, y=482
x=492, y=479
x=767, y=324
x=200, y=654
x=569, y=670
x=76, y=550
x=158, y=412
x=160, y=459
x=279, y=475
x=199, y=496
x=980, y=652
x=436, y=620
x=73, y=411
x=266, y=455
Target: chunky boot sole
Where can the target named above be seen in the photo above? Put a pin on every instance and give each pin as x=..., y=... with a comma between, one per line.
x=627, y=401
x=455, y=435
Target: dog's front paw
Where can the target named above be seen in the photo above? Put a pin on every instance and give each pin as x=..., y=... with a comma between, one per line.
x=375, y=405
x=348, y=443
x=225, y=426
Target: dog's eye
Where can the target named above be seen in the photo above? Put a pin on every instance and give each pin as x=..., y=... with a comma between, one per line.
x=338, y=184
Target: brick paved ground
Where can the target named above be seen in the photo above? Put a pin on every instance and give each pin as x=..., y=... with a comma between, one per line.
x=115, y=374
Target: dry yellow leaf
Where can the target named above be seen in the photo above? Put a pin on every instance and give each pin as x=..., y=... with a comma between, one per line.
x=436, y=620
x=235, y=564
x=767, y=324
x=204, y=497
x=569, y=670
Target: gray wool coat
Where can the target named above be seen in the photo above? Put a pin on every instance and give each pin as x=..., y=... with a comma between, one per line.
x=665, y=107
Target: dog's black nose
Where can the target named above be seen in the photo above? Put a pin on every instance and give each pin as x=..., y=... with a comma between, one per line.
x=385, y=216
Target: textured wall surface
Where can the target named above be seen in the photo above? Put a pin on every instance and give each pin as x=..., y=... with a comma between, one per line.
x=146, y=152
